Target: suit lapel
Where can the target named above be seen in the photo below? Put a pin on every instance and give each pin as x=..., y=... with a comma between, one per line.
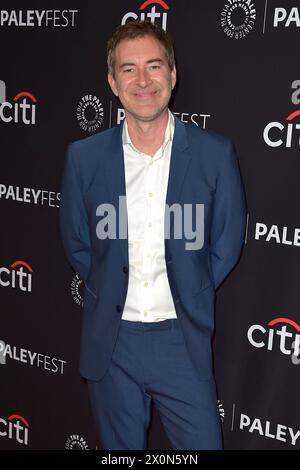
x=116, y=185
x=180, y=159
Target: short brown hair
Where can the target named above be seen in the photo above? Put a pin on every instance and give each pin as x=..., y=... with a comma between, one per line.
x=136, y=29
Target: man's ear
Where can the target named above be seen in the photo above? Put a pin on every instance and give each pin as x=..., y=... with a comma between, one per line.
x=112, y=84
x=173, y=77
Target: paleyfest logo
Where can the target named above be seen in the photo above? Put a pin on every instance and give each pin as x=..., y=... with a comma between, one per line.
x=37, y=18
x=238, y=18
x=269, y=429
x=154, y=15
x=286, y=18
x=22, y=108
x=197, y=118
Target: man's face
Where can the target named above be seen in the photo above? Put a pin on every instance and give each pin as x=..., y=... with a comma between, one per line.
x=142, y=80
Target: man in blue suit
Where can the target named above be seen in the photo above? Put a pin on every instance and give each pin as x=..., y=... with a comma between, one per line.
x=133, y=198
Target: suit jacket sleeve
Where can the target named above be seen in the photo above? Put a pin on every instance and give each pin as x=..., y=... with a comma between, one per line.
x=73, y=219
x=228, y=220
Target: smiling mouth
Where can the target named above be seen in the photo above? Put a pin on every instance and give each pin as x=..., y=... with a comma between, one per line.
x=145, y=95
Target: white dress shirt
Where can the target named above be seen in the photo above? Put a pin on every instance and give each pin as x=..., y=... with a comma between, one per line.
x=149, y=298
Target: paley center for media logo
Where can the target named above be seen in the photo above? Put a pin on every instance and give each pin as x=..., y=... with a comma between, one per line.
x=285, y=133
x=221, y=410
x=158, y=13
x=17, y=276
x=90, y=113
x=76, y=288
x=37, y=18
x=238, y=18
x=22, y=108
x=76, y=442
x=15, y=427
x=280, y=334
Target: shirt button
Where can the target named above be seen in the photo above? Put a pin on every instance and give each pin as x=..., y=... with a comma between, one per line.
x=145, y=313
x=150, y=194
x=145, y=284
x=149, y=225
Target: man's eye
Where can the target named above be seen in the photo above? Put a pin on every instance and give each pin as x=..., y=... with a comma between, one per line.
x=154, y=67
x=128, y=70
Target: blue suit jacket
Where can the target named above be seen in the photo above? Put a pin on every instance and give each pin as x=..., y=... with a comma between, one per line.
x=203, y=170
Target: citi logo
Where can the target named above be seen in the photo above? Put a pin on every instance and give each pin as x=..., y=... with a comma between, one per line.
x=17, y=276
x=22, y=109
x=277, y=134
x=153, y=15
x=288, y=342
x=15, y=427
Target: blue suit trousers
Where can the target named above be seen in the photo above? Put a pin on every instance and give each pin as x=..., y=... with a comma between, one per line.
x=150, y=362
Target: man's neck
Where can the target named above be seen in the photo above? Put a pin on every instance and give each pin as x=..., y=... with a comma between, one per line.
x=146, y=136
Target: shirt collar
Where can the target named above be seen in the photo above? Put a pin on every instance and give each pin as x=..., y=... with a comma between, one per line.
x=169, y=133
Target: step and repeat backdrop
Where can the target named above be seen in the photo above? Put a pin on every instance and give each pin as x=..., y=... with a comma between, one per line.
x=238, y=68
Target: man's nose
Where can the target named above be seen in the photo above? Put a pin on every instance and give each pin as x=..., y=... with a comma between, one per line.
x=143, y=78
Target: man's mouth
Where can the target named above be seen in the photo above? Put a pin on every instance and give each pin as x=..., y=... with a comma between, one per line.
x=144, y=95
